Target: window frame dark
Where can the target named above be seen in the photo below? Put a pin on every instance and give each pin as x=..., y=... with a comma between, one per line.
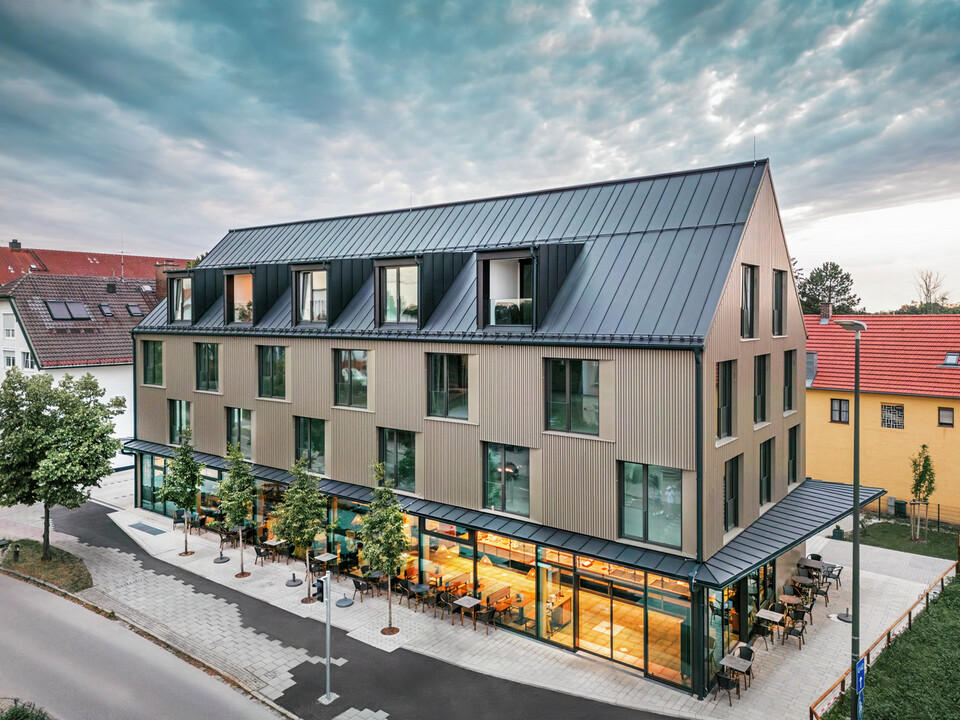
x=134, y=310
x=748, y=302
x=789, y=379
x=621, y=487
x=940, y=422
x=724, y=388
x=172, y=281
x=765, y=466
x=503, y=481
x=228, y=293
x=150, y=365
x=337, y=400
x=731, y=501
x=761, y=381
x=381, y=268
x=296, y=273
x=444, y=392
x=569, y=395
x=840, y=413
x=793, y=452
x=106, y=310
x=299, y=445
x=235, y=438
x=524, y=258
x=184, y=405
x=58, y=310
x=202, y=367
x=411, y=450
x=268, y=359
x=779, y=298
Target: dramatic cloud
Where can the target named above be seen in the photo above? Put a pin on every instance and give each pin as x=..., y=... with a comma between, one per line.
x=164, y=124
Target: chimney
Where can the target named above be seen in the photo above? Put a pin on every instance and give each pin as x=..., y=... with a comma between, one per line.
x=160, y=268
x=112, y=288
x=826, y=311
x=15, y=245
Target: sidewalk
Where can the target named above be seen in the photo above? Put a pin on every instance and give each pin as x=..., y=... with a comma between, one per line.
x=186, y=608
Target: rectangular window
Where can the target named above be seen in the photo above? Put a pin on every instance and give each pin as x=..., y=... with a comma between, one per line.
x=350, y=367
x=789, y=378
x=240, y=429
x=766, y=470
x=9, y=326
x=447, y=386
x=397, y=453
x=839, y=411
x=208, y=366
x=650, y=503
x=507, y=291
x=398, y=294
x=725, y=398
x=106, y=310
x=891, y=416
x=181, y=299
x=179, y=411
x=748, y=302
x=28, y=363
x=134, y=310
x=310, y=441
x=506, y=479
x=272, y=366
x=239, y=297
x=779, y=293
x=944, y=415
x=793, y=451
x=573, y=403
x=152, y=362
x=761, y=365
x=10, y=358
x=731, y=494
x=312, y=296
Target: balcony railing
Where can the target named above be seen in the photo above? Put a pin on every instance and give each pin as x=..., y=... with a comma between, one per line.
x=511, y=311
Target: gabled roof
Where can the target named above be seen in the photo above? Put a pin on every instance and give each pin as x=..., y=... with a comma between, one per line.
x=655, y=254
x=14, y=263
x=899, y=354
x=100, y=340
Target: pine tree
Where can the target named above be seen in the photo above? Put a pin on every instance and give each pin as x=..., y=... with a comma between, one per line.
x=237, y=493
x=384, y=542
x=182, y=483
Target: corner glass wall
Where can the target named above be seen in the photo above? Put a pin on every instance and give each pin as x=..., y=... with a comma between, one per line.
x=669, y=630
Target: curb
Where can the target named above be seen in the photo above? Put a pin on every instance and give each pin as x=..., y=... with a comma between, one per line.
x=158, y=641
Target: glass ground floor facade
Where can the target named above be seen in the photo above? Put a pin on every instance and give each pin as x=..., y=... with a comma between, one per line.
x=652, y=622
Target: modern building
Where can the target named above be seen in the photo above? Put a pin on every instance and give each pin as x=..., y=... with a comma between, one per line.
x=589, y=398
x=910, y=392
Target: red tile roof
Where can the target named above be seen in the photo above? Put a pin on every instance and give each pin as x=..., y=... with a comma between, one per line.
x=101, y=340
x=14, y=263
x=899, y=354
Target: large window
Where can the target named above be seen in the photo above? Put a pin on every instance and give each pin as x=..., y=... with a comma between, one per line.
x=240, y=429
x=839, y=411
x=748, y=302
x=789, y=378
x=272, y=368
x=179, y=412
x=398, y=294
x=447, y=386
x=350, y=367
x=239, y=292
x=507, y=291
x=725, y=398
x=779, y=293
x=310, y=443
x=181, y=299
x=891, y=416
x=506, y=479
x=312, y=296
x=397, y=453
x=731, y=494
x=766, y=471
x=650, y=503
x=761, y=366
x=152, y=362
x=944, y=414
x=573, y=404
x=208, y=366
x=793, y=451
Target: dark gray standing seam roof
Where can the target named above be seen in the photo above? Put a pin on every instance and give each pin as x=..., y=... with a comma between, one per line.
x=650, y=560
x=810, y=508
x=656, y=252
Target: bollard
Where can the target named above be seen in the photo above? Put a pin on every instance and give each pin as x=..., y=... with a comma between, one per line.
x=16, y=553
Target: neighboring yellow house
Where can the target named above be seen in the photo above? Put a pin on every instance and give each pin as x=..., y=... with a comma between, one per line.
x=909, y=396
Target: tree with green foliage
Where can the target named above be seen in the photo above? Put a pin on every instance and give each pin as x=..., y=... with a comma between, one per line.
x=182, y=483
x=56, y=441
x=384, y=542
x=828, y=283
x=302, y=514
x=237, y=492
x=924, y=482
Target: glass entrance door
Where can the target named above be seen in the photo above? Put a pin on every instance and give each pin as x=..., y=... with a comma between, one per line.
x=610, y=620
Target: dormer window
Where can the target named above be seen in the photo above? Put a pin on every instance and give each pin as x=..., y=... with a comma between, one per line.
x=507, y=290
x=181, y=299
x=311, y=299
x=397, y=296
x=239, y=297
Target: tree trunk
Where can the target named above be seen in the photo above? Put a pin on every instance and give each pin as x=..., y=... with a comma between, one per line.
x=241, y=551
x=306, y=562
x=46, y=533
x=186, y=531
x=389, y=605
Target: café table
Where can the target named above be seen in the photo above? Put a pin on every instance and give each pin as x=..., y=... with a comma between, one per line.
x=801, y=580
x=467, y=602
x=791, y=599
x=771, y=617
x=811, y=564
x=737, y=664
x=419, y=589
x=274, y=544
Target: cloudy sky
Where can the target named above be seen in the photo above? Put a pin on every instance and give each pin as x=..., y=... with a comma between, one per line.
x=163, y=124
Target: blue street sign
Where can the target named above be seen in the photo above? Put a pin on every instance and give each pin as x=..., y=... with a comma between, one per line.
x=861, y=675
x=860, y=706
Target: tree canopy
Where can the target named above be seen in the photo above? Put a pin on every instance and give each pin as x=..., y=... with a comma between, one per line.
x=182, y=482
x=828, y=283
x=302, y=514
x=384, y=541
x=237, y=492
x=56, y=441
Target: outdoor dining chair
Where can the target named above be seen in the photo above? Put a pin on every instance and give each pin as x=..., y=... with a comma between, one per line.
x=727, y=683
x=833, y=573
x=485, y=616
x=262, y=554
x=747, y=654
x=796, y=629
x=360, y=586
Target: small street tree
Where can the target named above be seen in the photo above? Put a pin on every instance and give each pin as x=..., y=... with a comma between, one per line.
x=828, y=283
x=383, y=540
x=924, y=481
x=302, y=515
x=237, y=492
x=56, y=441
x=182, y=483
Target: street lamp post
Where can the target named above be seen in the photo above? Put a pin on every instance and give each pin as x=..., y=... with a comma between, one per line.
x=855, y=326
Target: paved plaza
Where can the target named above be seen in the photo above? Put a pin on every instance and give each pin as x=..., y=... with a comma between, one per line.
x=271, y=642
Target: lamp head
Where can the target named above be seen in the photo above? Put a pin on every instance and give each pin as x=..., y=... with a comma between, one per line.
x=851, y=325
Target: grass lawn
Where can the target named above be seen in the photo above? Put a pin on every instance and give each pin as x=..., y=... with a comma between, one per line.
x=64, y=570
x=916, y=677
x=896, y=536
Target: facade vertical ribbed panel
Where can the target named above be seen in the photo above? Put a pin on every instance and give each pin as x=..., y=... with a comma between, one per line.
x=452, y=463
x=509, y=377
x=353, y=446
x=579, y=485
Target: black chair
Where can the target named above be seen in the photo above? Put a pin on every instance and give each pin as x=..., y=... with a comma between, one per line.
x=790, y=590
x=486, y=617
x=796, y=630
x=447, y=601
x=833, y=573
x=198, y=522
x=803, y=572
x=747, y=654
x=360, y=586
x=178, y=517
x=725, y=682
x=807, y=608
x=402, y=588
x=823, y=590
x=262, y=554
x=779, y=607
x=429, y=600
x=764, y=630
x=815, y=556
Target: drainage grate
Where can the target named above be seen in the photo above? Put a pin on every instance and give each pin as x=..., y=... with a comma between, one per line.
x=142, y=527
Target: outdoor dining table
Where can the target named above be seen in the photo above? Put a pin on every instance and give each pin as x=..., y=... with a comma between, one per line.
x=790, y=599
x=737, y=664
x=467, y=602
x=811, y=564
x=770, y=616
x=801, y=580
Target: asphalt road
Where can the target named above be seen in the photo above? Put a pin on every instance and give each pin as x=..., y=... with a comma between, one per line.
x=79, y=665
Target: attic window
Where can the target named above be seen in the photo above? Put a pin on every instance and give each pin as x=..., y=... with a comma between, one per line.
x=135, y=310
x=952, y=358
x=60, y=310
x=78, y=311
x=105, y=309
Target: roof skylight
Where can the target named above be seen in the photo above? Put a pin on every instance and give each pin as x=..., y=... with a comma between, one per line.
x=105, y=309
x=952, y=358
x=135, y=310
x=60, y=310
